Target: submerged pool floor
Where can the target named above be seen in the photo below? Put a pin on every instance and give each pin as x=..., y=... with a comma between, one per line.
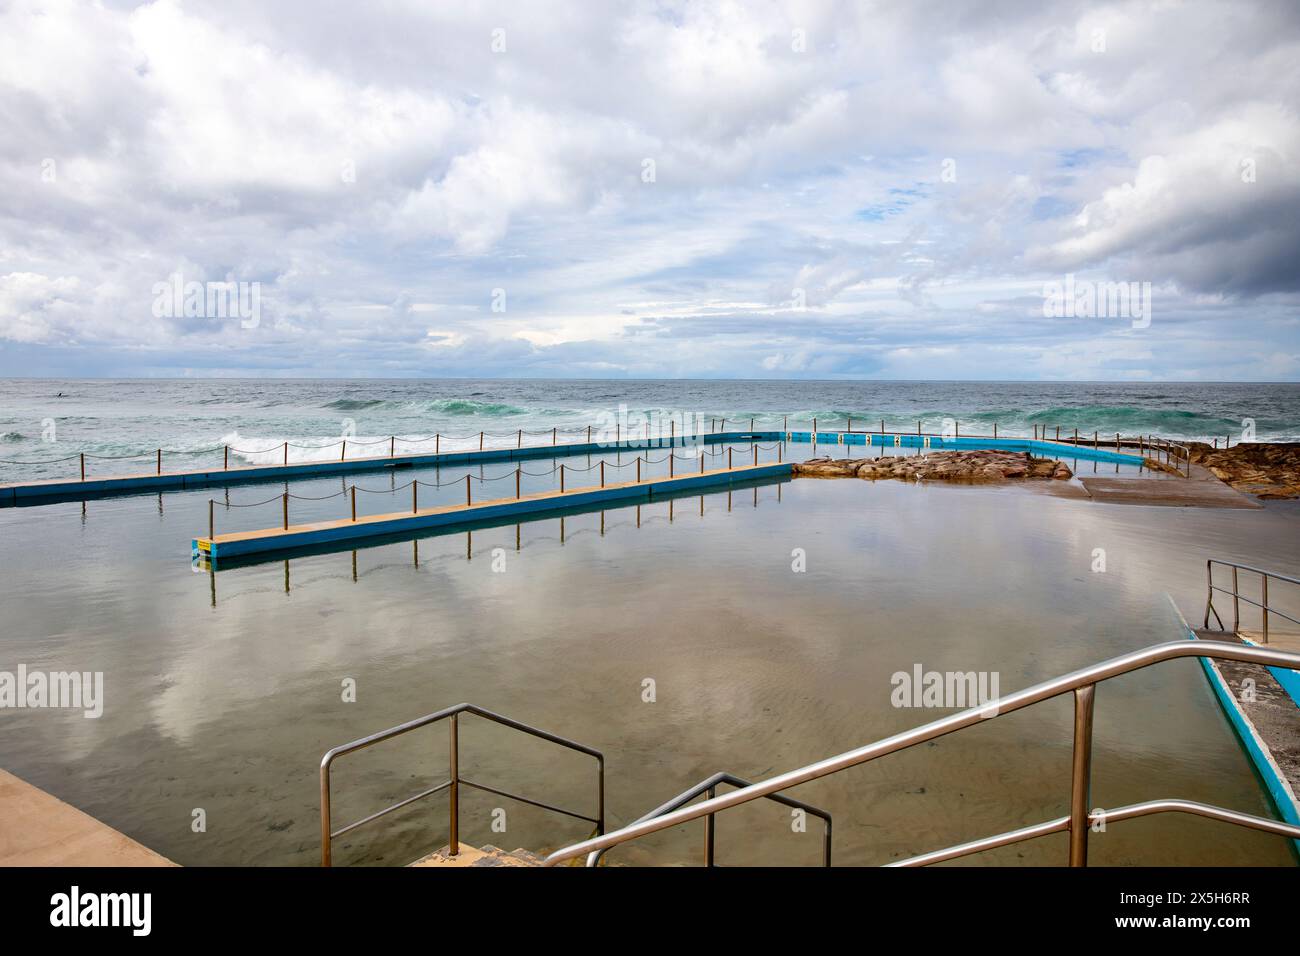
x=222, y=692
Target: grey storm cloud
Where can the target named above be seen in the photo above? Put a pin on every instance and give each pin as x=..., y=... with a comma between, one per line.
x=531, y=188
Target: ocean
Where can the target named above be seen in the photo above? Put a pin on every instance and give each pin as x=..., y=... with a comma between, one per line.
x=42, y=420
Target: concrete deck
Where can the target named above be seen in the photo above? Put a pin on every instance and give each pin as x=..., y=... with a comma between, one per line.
x=1282, y=640
x=37, y=829
x=1201, y=490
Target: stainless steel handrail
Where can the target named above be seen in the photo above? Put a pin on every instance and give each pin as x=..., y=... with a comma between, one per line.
x=454, y=784
x=1083, y=685
x=1238, y=597
x=1168, y=446
x=710, y=785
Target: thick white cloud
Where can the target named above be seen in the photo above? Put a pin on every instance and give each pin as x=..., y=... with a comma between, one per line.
x=913, y=172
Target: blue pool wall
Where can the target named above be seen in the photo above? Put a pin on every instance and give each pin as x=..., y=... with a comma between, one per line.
x=75, y=489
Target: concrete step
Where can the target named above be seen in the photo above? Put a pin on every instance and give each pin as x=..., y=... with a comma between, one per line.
x=37, y=829
x=487, y=855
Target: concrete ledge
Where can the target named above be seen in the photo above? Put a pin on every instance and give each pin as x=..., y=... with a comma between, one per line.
x=37, y=829
x=242, y=543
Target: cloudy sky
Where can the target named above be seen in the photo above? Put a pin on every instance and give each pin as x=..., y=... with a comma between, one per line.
x=656, y=189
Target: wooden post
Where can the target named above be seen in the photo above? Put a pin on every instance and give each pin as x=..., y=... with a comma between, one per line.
x=672, y=431
x=354, y=502
x=785, y=423
x=588, y=435
x=554, y=432
x=286, y=511
x=638, y=469
x=850, y=428
x=392, y=442
x=672, y=457
x=602, y=473
x=518, y=473
x=211, y=523
x=1076, y=436
x=701, y=464
x=1058, y=432
x=995, y=430
x=83, y=466
x=286, y=453
x=728, y=458
x=751, y=424
x=1117, y=441
x=1095, y=442
x=437, y=444
x=918, y=426
x=756, y=454
x=160, y=461
x=882, y=426
x=225, y=463
x=415, y=496
x=480, y=441
x=343, y=455
x=468, y=500
x=519, y=443
x=561, y=479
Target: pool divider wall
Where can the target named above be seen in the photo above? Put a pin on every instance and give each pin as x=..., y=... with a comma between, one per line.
x=238, y=544
x=54, y=490
x=57, y=489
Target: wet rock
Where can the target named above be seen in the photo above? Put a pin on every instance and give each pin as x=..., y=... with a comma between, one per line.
x=1263, y=469
x=971, y=466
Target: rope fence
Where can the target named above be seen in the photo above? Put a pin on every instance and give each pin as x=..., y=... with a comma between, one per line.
x=1160, y=448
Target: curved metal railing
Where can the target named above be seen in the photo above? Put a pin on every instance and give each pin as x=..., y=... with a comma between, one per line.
x=1082, y=683
x=455, y=782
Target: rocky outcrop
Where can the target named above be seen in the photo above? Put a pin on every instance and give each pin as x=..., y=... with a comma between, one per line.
x=1263, y=469
x=968, y=466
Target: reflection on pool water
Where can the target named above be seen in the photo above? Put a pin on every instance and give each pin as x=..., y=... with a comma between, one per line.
x=227, y=705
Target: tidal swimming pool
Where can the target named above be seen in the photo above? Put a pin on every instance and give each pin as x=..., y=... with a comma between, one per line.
x=223, y=690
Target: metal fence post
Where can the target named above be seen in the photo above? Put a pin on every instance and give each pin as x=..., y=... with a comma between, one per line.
x=453, y=839
x=1080, y=774
x=710, y=830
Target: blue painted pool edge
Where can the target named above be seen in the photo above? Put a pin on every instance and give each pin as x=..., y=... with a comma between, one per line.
x=620, y=494
x=1289, y=679
x=1284, y=801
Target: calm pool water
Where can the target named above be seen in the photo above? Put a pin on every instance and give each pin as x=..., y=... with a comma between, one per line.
x=222, y=691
